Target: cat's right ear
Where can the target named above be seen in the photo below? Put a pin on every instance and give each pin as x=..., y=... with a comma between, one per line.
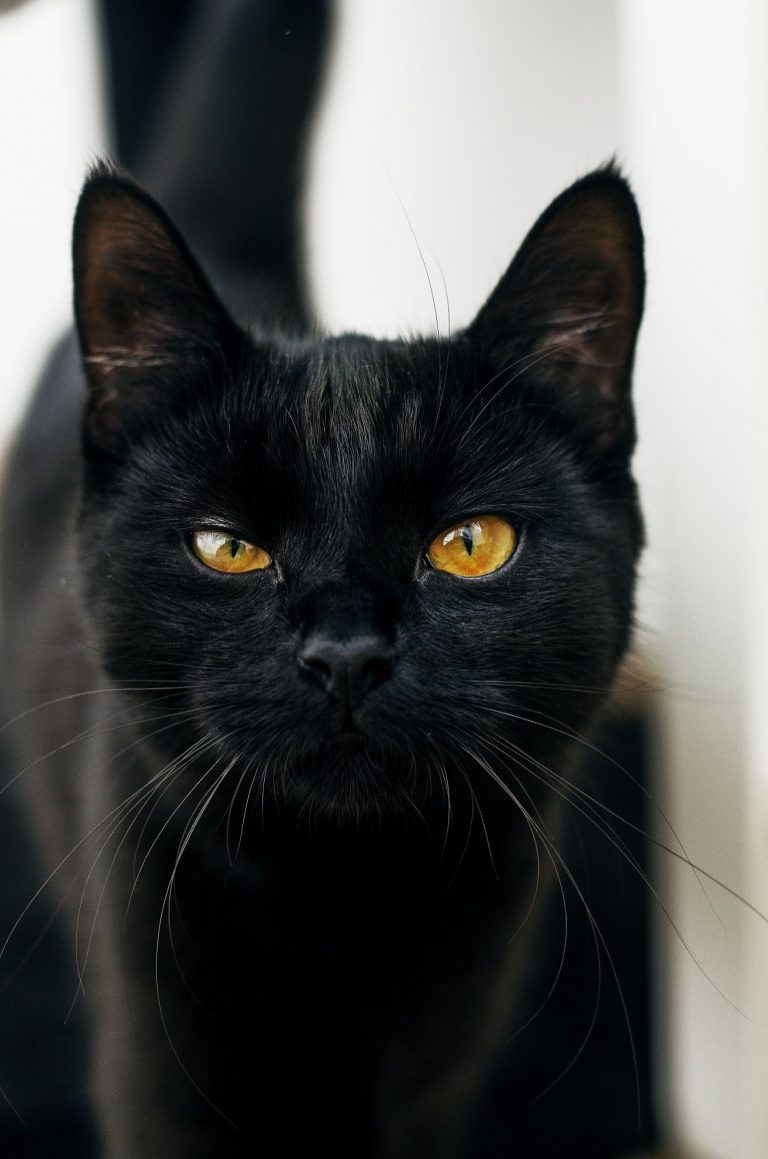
x=147, y=319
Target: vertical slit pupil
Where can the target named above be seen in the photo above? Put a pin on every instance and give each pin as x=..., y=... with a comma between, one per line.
x=234, y=547
x=467, y=539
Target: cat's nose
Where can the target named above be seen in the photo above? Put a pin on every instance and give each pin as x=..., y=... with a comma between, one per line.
x=347, y=669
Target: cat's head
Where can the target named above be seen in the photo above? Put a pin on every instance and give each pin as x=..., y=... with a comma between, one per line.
x=356, y=567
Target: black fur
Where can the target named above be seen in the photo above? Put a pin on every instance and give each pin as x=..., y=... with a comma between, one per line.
x=301, y=931
x=341, y=919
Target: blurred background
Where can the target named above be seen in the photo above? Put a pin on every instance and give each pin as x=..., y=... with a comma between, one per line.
x=458, y=121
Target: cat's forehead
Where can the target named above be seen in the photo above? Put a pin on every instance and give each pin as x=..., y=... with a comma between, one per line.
x=342, y=379
x=354, y=397
x=364, y=430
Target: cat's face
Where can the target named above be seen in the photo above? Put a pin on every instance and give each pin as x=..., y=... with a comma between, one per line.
x=345, y=668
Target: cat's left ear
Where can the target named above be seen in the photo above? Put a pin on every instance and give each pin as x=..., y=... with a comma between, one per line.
x=567, y=311
x=147, y=318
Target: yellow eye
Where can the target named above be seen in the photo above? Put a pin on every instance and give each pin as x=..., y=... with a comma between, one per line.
x=225, y=552
x=476, y=547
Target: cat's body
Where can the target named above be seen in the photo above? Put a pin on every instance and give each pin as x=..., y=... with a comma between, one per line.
x=304, y=811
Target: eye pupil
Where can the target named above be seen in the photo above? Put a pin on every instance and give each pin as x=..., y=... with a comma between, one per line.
x=234, y=547
x=467, y=539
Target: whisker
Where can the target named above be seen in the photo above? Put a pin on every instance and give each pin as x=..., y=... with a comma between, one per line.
x=588, y=811
x=111, y=689
x=93, y=730
x=599, y=941
x=156, y=786
x=75, y=848
x=562, y=729
x=243, y=775
x=429, y=279
x=185, y=839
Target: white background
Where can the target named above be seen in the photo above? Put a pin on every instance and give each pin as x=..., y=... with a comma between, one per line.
x=465, y=117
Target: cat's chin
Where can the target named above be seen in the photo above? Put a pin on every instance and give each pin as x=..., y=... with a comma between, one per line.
x=351, y=744
x=348, y=779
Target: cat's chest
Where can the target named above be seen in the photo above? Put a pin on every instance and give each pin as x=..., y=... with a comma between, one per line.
x=371, y=919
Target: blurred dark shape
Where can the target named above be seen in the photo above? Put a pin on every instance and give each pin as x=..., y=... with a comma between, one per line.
x=142, y=41
x=7, y=5
x=43, y=1059
x=207, y=113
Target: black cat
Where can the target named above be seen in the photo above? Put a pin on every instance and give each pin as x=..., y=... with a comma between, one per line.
x=321, y=613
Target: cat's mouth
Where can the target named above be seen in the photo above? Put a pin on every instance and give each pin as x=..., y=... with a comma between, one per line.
x=350, y=741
